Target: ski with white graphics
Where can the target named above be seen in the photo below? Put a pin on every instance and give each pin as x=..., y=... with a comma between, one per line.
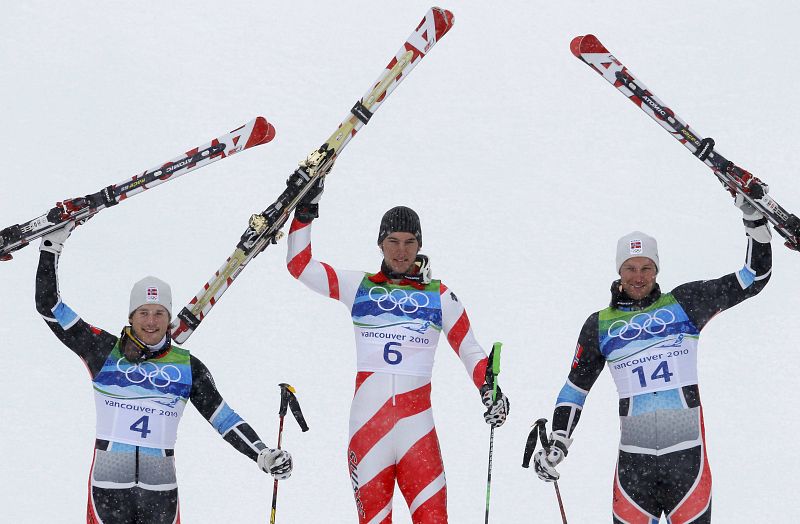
x=265, y=228
x=257, y=131
x=735, y=179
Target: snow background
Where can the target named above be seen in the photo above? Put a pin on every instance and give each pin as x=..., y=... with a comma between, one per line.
x=524, y=165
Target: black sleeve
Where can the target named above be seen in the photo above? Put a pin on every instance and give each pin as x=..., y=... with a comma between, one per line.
x=703, y=299
x=91, y=344
x=216, y=411
x=587, y=364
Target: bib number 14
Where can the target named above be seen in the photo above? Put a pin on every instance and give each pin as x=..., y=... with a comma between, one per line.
x=662, y=372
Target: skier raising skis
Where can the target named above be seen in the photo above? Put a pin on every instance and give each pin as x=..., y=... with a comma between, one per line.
x=141, y=385
x=649, y=341
x=397, y=315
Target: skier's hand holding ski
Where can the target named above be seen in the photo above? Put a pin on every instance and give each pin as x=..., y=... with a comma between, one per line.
x=308, y=207
x=53, y=242
x=755, y=223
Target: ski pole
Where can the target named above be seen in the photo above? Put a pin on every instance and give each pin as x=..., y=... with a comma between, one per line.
x=492, y=370
x=288, y=400
x=538, y=430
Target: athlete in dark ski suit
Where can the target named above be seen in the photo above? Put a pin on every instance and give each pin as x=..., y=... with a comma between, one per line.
x=139, y=404
x=650, y=347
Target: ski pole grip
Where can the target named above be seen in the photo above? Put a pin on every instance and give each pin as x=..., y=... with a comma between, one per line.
x=543, y=433
x=298, y=415
x=286, y=392
x=530, y=447
x=493, y=368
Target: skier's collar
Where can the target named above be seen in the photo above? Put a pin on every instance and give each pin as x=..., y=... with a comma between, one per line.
x=402, y=279
x=620, y=300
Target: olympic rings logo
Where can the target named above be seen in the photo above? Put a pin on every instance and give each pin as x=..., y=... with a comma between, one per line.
x=159, y=377
x=398, y=298
x=654, y=324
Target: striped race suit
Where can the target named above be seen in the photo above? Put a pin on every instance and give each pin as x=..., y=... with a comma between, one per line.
x=397, y=327
x=650, y=347
x=138, y=405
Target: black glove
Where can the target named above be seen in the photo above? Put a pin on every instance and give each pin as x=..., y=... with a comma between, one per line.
x=497, y=411
x=308, y=207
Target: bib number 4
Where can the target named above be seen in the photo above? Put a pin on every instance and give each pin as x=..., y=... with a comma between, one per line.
x=662, y=372
x=141, y=425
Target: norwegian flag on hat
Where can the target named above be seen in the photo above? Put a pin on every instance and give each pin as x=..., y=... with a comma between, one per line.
x=635, y=247
x=152, y=294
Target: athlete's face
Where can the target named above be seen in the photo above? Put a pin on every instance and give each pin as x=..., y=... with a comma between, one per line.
x=150, y=323
x=399, y=251
x=638, y=277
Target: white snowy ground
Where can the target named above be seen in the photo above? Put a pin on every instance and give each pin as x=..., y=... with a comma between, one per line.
x=524, y=165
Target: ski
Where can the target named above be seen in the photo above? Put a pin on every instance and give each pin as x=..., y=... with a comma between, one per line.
x=265, y=228
x=257, y=131
x=735, y=179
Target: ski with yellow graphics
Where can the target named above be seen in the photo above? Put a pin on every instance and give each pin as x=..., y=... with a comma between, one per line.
x=265, y=228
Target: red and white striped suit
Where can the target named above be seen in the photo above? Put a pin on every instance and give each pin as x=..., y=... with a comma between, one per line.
x=392, y=433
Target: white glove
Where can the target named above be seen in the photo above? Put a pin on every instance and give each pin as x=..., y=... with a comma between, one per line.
x=496, y=411
x=276, y=462
x=546, y=460
x=755, y=224
x=53, y=242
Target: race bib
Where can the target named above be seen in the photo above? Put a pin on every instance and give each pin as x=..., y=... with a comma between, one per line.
x=650, y=350
x=396, y=328
x=142, y=403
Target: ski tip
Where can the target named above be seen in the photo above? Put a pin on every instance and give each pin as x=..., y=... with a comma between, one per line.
x=590, y=44
x=263, y=132
x=443, y=20
x=575, y=46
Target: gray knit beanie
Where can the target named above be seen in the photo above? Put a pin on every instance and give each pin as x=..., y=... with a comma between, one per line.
x=637, y=244
x=150, y=290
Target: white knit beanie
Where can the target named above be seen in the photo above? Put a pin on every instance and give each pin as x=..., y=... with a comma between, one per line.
x=150, y=290
x=637, y=244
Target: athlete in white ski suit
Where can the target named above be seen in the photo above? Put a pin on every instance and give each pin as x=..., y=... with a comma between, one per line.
x=397, y=320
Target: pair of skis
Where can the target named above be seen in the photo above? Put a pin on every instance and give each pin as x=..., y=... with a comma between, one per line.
x=264, y=228
x=256, y=132
x=735, y=179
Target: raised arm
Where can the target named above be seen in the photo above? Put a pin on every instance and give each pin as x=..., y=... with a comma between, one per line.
x=91, y=344
x=703, y=299
x=318, y=276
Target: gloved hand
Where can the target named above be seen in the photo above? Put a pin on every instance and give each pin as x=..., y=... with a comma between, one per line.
x=496, y=411
x=546, y=460
x=755, y=224
x=53, y=242
x=276, y=462
x=308, y=207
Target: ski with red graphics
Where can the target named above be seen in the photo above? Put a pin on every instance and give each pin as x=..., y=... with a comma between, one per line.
x=265, y=228
x=735, y=179
x=257, y=131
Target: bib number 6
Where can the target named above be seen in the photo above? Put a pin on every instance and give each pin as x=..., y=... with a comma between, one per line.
x=392, y=356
